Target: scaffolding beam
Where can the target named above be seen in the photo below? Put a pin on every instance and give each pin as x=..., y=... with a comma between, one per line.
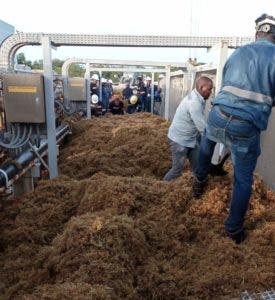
x=15, y=41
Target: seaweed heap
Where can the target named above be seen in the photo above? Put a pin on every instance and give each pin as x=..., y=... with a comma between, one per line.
x=110, y=228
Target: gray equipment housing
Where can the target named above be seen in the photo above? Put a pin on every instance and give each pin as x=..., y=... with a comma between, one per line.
x=24, y=100
x=76, y=89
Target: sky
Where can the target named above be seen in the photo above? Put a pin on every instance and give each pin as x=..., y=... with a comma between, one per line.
x=138, y=17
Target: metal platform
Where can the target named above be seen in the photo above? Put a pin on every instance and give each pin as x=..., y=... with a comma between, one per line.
x=267, y=295
x=10, y=46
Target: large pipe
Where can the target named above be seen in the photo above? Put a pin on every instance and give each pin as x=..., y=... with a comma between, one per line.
x=12, y=168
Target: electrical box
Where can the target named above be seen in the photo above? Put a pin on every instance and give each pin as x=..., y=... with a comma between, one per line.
x=24, y=100
x=77, y=89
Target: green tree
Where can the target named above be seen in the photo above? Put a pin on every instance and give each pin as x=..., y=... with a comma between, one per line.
x=76, y=70
x=112, y=75
x=21, y=59
x=57, y=65
x=37, y=64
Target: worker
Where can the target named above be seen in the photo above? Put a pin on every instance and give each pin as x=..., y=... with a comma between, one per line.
x=94, y=86
x=141, y=93
x=110, y=87
x=187, y=126
x=127, y=92
x=157, y=95
x=116, y=105
x=148, y=90
x=96, y=106
x=105, y=94
x=58, y=89
x=133, y=105
x=240, y=112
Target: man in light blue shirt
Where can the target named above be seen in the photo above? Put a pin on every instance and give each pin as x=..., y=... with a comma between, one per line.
x=187, y=126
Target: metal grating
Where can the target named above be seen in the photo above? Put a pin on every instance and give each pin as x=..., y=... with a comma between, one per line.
x=15, y=41
x=267, y=295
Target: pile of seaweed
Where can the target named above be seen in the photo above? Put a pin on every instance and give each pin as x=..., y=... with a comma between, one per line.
x=110, y=228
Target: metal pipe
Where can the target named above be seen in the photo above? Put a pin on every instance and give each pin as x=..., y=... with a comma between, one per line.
x=22, y=160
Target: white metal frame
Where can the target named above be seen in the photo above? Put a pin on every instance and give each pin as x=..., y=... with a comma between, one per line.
x=147, y=68
x=49, y=103
x=16, y=41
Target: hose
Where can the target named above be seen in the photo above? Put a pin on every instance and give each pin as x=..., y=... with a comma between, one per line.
x=21, y=161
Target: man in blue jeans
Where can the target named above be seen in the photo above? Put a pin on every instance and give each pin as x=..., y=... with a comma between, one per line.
x=240, y=112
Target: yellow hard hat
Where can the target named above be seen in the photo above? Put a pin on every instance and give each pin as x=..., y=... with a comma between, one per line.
x=133, y=99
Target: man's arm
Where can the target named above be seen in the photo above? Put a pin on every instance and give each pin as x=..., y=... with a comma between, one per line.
x=197, y=115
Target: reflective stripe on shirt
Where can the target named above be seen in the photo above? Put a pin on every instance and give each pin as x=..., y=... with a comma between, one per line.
x=258, y=97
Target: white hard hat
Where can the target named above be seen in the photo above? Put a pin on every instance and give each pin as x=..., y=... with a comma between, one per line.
x=95, y=77
x=148, y=78
x=110, y=81
x=161, y=76
x=94, y=98
x=103, y=80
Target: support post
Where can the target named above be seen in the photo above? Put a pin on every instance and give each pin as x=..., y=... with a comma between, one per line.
x=222, y=57
x=100, y=86
x=220, y=149
x=167, y=92
x=50, y=113
x=88, y=93
x=65, y=91
x=152, y=92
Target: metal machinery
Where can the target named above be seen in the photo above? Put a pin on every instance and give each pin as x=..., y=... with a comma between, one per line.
x=24, y=101
x=23, y=136
x=77, y=93
x=69, y=94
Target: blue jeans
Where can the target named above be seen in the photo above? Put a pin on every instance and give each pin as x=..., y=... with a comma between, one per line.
x=143, y=100
x=243, y=139
x=179, y=153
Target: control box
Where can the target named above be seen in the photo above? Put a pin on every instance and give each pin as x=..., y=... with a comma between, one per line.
x=24, y=100
x=76, y=89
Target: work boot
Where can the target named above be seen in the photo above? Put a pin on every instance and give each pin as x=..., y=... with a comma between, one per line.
x=217, y=170
x=198, y=187
x=238, y=236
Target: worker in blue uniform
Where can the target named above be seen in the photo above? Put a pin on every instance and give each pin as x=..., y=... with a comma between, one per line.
x=240, y=112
